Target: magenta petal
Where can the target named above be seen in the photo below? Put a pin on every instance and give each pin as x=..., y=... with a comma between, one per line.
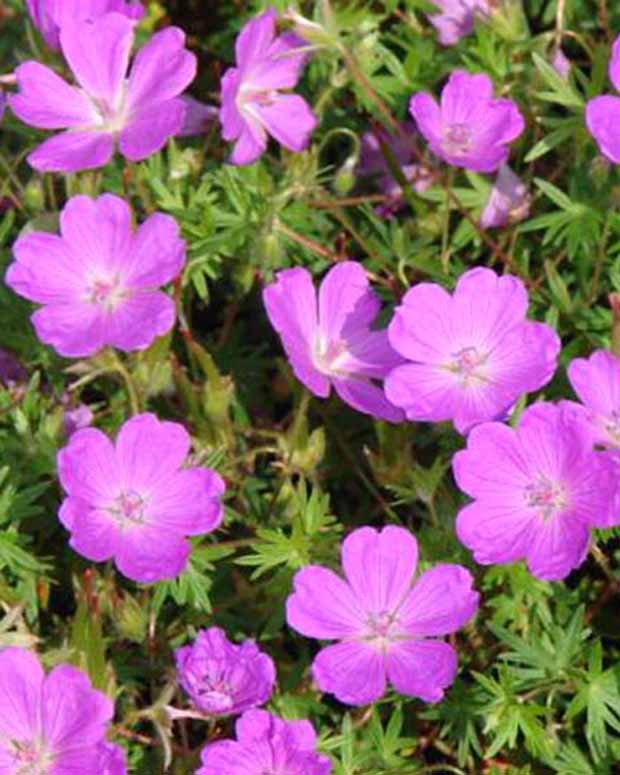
x=441, y=602
x=255, y=39
x=188, y=502
x=138, y=321
x=422, y=328
x=557, y=547
x=86, y=466
x=73, y=330
x=46, y=101
x=161, y=70
x=367, y=398
x=379, y=566
x=603, y=119
x=289, y=119
x=94, y=533
x=346, y=302
x=198, y=117
x=21, y=680
x=322, y=605
x=149, y=129
x=292, y=310
x=151, y=554
x=251, y=144
x=427, y=116
x=496, y=533
x=352, y=671
x=425, y=393
x=31, y=278
x=422, y=668
x=147, y=448
x=98, y=54
x=462, y=96
x=230, y=118
x=73, y=151
x=72, y=710
x=158, y=252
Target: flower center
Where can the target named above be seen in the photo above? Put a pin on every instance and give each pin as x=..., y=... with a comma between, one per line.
x=128, y=508
x=381, y=629
x=105, y=292
x=468, y=365
x=111, y=117
x=30, y=758
x=546, y=496
x=248, y=95
x=328, y=356
x=457, y=139
x=215, y=696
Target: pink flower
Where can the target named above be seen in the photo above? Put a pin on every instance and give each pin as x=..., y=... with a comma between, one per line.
x=538, y=490
x=136, y=110
x=469, y=128
x=471, y=354
x=456, y=19
x=223, y=678
x=561, y=63
x=134, y=501
x=266, y=744
x=253, y=105
x=98, y=282
x=508, y=202
x=603, y=113
x=49, y=724
x=389, y=625
x=329, y=341
x=48, y=16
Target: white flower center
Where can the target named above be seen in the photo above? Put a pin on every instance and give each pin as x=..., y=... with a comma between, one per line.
x=31, y=758
x=381, y=630
x=469, y=366
x=611, y=424
x=111, y=117
x=105, y=292
x=328, y=357
x=546, y=496
x=128, y=508
x=458, y=139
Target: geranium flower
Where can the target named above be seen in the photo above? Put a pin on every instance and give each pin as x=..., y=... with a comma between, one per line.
x=538, y=491
x=471, y=354
x=49, y=725
x=253, y=105
x=136, y=111
x=266, y=744
x=329, y=341
x=223, y=678
x=134, y=501
x=98, y=282
x=389, y=623
x=469, y=127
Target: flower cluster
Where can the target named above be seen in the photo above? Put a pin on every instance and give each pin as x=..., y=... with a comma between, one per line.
x=540, y=477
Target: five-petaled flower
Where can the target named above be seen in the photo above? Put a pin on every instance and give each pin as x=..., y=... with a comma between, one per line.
x=469, y=127
x=98, y=282
x=471, y=354
x=538, y=490
x=253, y=105
x=133, y=501
x=389, y=623
x=138, y=110
x=331, y=342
